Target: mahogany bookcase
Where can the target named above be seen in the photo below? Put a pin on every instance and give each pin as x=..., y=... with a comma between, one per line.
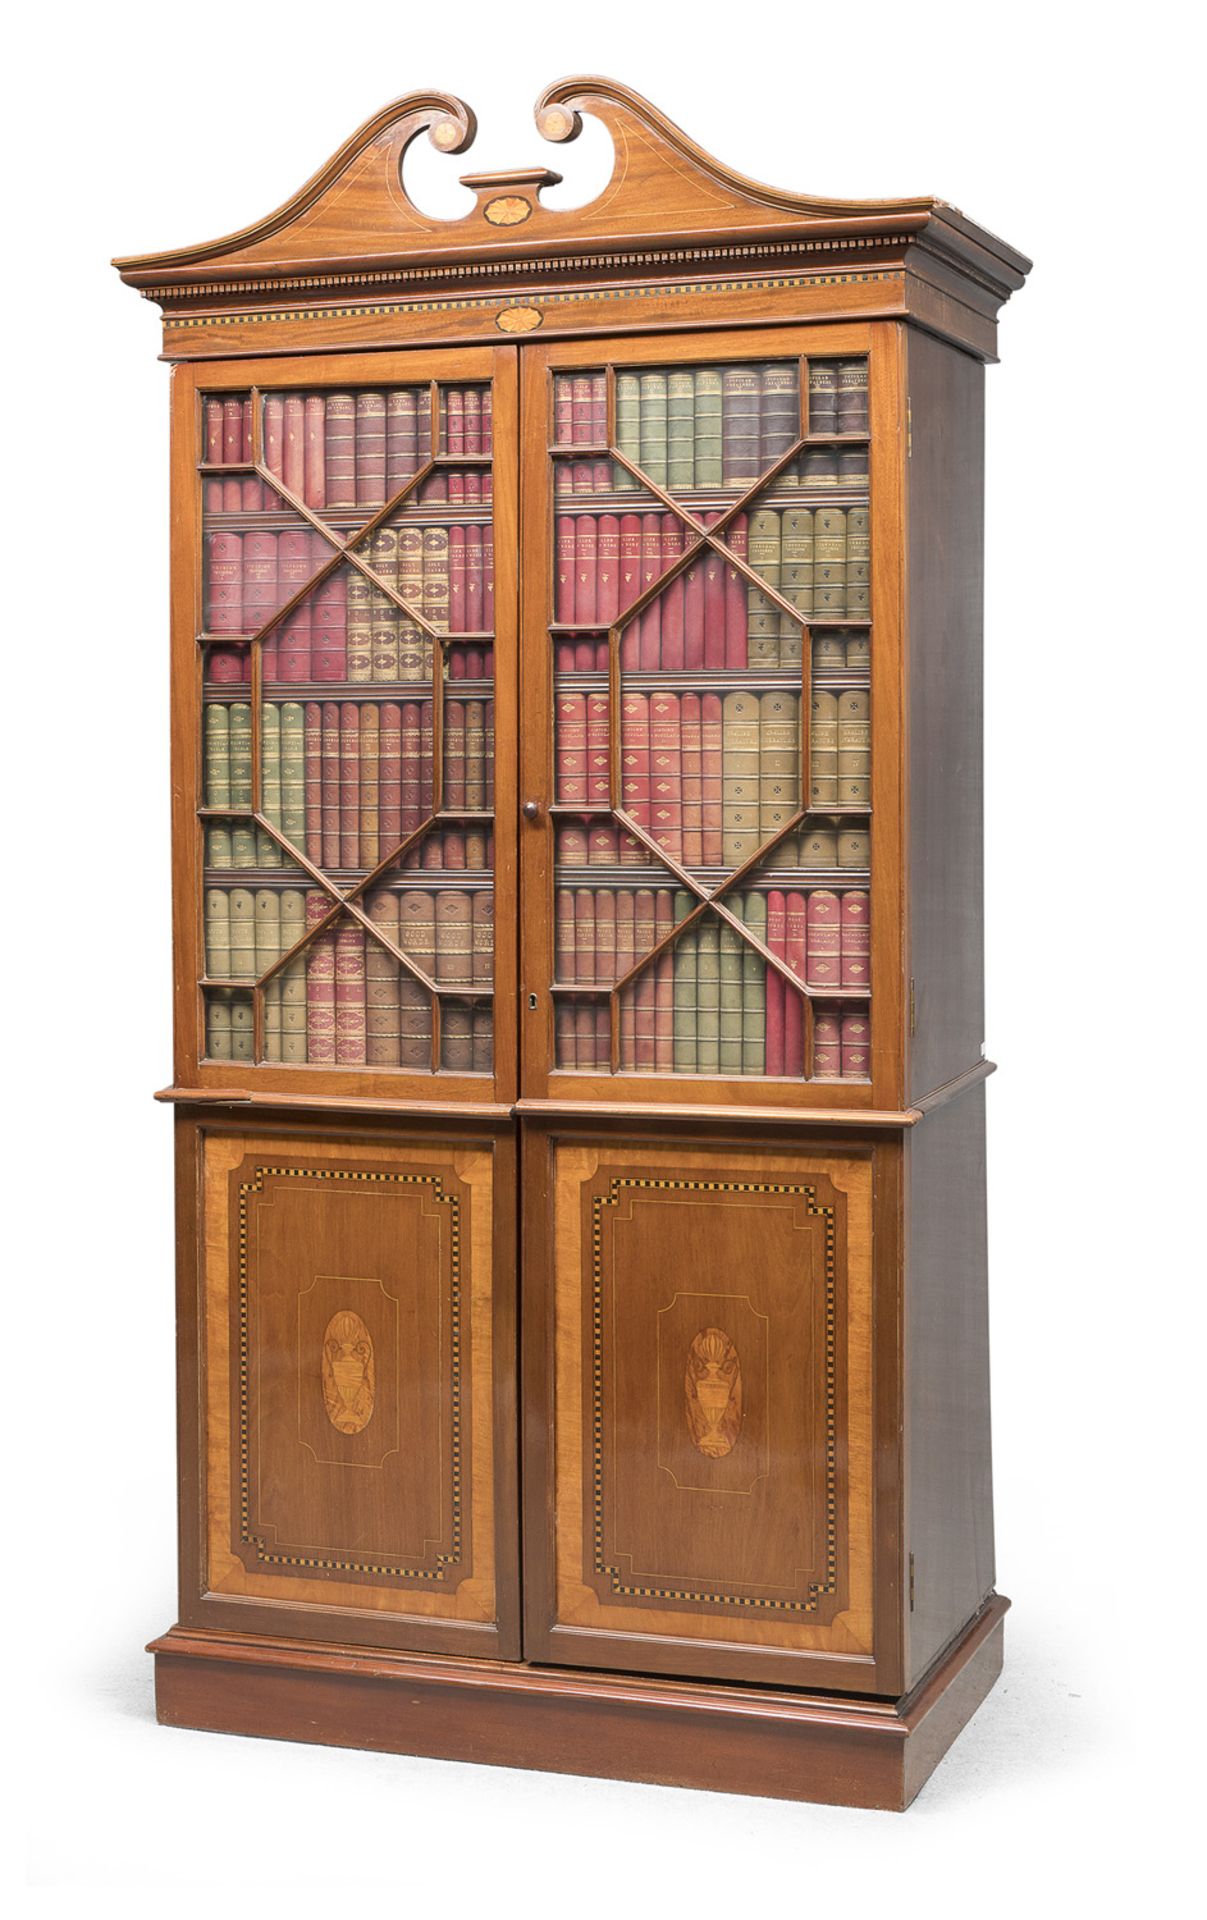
x=579, y=1078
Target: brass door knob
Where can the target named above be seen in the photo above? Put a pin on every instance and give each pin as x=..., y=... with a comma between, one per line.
x=532, y=809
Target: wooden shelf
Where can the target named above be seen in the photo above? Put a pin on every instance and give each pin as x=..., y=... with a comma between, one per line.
x=795, y=877
x=707, y=679
x=397, y=880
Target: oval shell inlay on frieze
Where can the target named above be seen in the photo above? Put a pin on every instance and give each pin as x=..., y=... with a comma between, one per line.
x=518, y=319
x=712, y=1387
x=348, y=1373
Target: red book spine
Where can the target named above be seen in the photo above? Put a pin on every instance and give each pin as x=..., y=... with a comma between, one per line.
x=823, y=964
x=692, y=794
x=213, y=454
x=584, y=656
x=389, y=776
x=563, y=579
x=664, y=985
x=603, y=846
x=672, y=598
x=274, y=435
x=584, y=937
x=856, y=1046
x=473, y=421
x=608, y=589
x=473, y=580
x=224, y=582
x=426, y=745
x=350, y=997
x=635, y=755
x=630, y=560
x=312, y=750
x=565, y=1040
x=711, y=778
x=454, y=754
x=570, y=843
x=232, y=452
x=320, y=987
x=457, y=622
x=601, y=476
x=563, y=936
x=454, y=421
x=339, y=457
x=252, y=488
x=315, y=455
x=329, y=772
x=644, y=987
x=693, y=611
x=735, y=596
x=582, y=477
x=855, y=940
x=261, y=596
x=794, y=954
x=582, y=410
x=410, y=742
x=329, y=629
x=370, y=449
x=224, y=666
x=598, y=787
x=488, y=580
x=487, y=421
x=563, y=656
x=605, y=937
x=602, y=661
x=571, y=757
x=714, y=609
x=599, y=409
x=287, y=649
x=649, y=656
x=294, y=445
x=776, y=935
x=827, y=1052
x=666, y=811
x=586, y=562
x=349, y=784
x=563, y=410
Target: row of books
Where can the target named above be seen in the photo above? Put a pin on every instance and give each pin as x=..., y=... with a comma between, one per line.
x=237, y=847
x=822, y=936
x=347, y=1003
x=832, y=652
x=813, y=468
x=230, y=666
x=449, y=933
x=344, y=451
x=444, y=574
x=710, y=614
x=704, y=1039
x=601, y=843
x=349, y=781
x=713, y=775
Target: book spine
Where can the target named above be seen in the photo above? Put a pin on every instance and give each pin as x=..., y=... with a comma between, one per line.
x=827, y=1051
x=329, y=629
x=693, y=610
x=314, y=451
x=349, y=996
x=711, y=643
x=251, y=489
x=216, y=757
x=598, y=751
x=582, y=411
x=571, y=748
x=268, y=952
x=382, y=1008
x=370, y=450
x=360, y=605
x=823, y=749
x=483, y=938
x=707, y=427
x=779, y=762
x=349, y=784
x=664, y=984
x=684, y=952
x=754, y=987
x=628, y=427
x=739, y=426
x=320, y=986
x=852, y=398
x=665, y=805
x=823, y=964
x=330, y=774
x=763, y=619
x=240, y=753
x=796, y=566
x=672, y=600
x=854, y=744
x=645, y=923
x=293, y=978
x=402, y=449
x=339, y=451
x=314, y=780
x=369, y=733
x=653, y=426
x=293, y=446
x=823, y=396
x=435, y=578
x=564, y=570
x=223, y=553
x=454, y=755
x=775, y=984
x=586, y=562
x=856, y=1046
x=293, y=783
x=736, y=643
x=729, y=1052
x=608, y=569
x=712, y=778
x=692, y=785
x=740, y=776
x=680, y=428
x=859, y=563
x=855, y=941
x=708, y=995
x=635, y=755
x=649, y=643
x=779, y=411
x=454, y=939
x=830, y=563
x=457, y=622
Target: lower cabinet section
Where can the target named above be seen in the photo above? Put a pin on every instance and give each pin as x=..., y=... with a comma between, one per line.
x=701, y=1343
x=354, y=1453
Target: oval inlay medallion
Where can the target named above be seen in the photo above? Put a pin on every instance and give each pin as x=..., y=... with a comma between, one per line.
x=712, y=1387
x=519, y=319
x=509, y=210
x=348, y=1373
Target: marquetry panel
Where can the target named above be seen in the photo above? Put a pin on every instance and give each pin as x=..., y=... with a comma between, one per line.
x=713, y=1397
x=348, y=1400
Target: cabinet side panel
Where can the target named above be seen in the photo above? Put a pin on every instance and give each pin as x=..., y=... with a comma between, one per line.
x=946, y=583
x=949, y=1483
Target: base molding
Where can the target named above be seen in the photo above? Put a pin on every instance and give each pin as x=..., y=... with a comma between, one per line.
x=792, y=1746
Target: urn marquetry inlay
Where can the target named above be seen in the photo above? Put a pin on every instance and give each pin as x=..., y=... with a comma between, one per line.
x=712, y=1387
x=348, y=1373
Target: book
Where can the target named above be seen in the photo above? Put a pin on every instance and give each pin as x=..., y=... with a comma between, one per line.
x=776, y=986
x=370, y=455
x=729, y=1051
x=856, y=1046
x=239, y=753
x=649, y=654
x=329, y=627
x=680, y=428
x=708, y=994
x=456, y=1036
x=779, y=411
x=740, y=388
x=367, y=804
x=854, y=747
x=823, y=396
x=855, y=941
x=607, y=602
x=779, y=762
x=454, y=755
x=382, y=1004
x=223, y=566
x=586, y=561
x=348, y=784
x=822, y=964
x=763, y=617
x=671, y=599
x=852, y=397
x=736, y=595
x=359, y=602
x=665, y=773
x=707, y=453
x=827, y=1045
x=653, y=442
x=754, y=986
x=598, y=756
x=823, y=749
x=570, y=748
x=454, y=938
x=740, y=777
x=634, y=755
x=267, y=912
x=435, y=578
x=691, y=796
x=313, y=775
x=829, y=563
x=216, y=784
x=320, y=985
x=859, y=563
x=628, y=425
x=268, y=853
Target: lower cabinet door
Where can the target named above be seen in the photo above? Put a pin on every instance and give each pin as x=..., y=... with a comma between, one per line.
x=348, y=1406
x=700, y=1338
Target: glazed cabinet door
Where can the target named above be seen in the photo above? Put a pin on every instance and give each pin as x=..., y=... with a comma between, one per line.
x=347, y=1402
x=710, y=1341
x=344, y=702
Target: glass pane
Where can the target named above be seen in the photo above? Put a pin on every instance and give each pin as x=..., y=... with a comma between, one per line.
x=345, y=454
x=706, y=427
x=250, y=572
x=466, y=430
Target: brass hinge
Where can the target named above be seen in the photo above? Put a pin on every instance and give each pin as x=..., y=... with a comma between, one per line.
x=913, y=1008
x=909, y=429
x=911, y=1582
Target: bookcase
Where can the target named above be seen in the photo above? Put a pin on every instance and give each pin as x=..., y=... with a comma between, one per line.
x=579, y=1072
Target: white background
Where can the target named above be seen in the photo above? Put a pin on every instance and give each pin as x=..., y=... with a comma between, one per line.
x=1066, y=129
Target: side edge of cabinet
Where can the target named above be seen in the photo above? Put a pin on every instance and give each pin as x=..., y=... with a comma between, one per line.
x=944, y=602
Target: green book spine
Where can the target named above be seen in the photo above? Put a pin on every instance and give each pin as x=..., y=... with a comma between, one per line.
x=859, y=563
x=779, y=761
x=628, y=428
x=796, y=563
x=218, y=1026
x=218, y=935
x=243, y=846
x=739, y=777
x=240, y=754
x=293, y=977
x=217, y=757
x=293, y=772
x=730, y=1048
x=268, y=853
x=653, y=426
x=684, y=950
x=218, y=849
x=830, y=563
x=242, y=1028
x=681, y=429
x=754, y=987
x=268, y=950
x=708, y=997
x=823, y=749
x=242, y=934
x=708, y=426
x=762, y=617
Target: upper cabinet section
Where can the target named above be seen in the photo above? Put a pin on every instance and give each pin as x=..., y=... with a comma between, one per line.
x=672, y=230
